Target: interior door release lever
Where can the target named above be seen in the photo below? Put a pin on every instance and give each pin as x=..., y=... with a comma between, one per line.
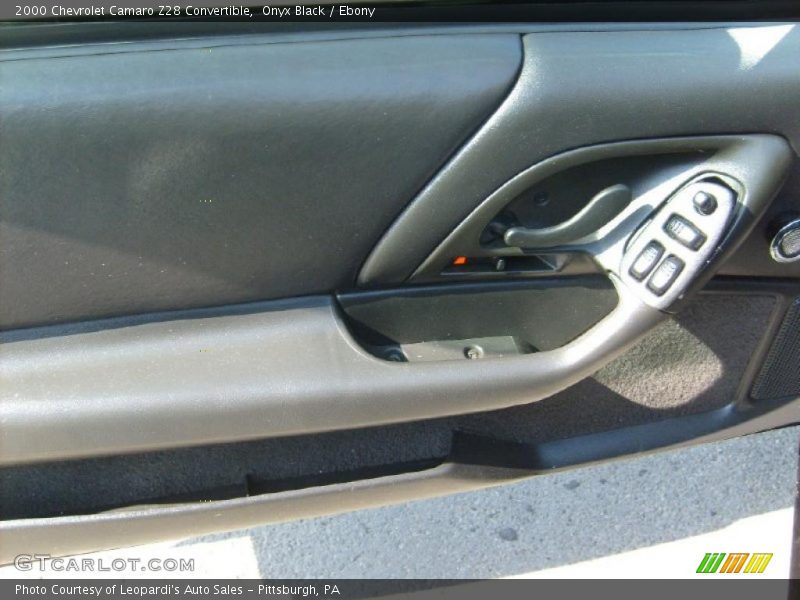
x=603, y=207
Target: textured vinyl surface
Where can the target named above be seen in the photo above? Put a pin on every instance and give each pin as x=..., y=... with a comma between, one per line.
x=135, y=181
x=780, y=374
x=690, y=364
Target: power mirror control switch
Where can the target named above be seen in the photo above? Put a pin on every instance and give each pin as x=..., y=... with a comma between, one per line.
x=666, y=273
x=682, y=230
x=704, y=203
x=648, y=258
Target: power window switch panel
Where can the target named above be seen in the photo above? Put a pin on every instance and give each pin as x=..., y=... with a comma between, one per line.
x=664, y=276
x=647, y=259
x=682, y=230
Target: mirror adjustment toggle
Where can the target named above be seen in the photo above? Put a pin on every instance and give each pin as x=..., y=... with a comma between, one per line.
x=704, y=203
x=666, y=273
x=647, y=259
x=685, y=232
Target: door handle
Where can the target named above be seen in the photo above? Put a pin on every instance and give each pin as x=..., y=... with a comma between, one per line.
x=603, y=207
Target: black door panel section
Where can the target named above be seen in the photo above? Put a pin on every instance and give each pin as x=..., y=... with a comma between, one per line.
x=439, y=262
x=682, y=218
x=693, y=362
x=136, y=181
x=475, y=462
x=780, y=374
x=635, y=404
x=580, y=89
x=697, y=361
x=276, y=368
x=292, y=367
x=706, y=355
x=286, y=368
x=541, y=264
x=457, y=321
x=690, y=364
x=217, y=471
x=552, y=197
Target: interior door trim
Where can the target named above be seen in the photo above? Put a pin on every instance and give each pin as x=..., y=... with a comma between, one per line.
x=581, y=89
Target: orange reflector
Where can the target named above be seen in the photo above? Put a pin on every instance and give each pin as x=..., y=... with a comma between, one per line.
x=459, y=260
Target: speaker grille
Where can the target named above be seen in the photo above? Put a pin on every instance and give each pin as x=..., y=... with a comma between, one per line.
x=780, y=373
x=790, y=244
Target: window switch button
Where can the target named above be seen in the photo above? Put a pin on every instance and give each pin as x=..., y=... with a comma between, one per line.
x=665, y=275
x=682, y=230
x=647, y=259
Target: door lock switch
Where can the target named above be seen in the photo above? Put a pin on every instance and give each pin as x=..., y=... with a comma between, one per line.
x=647, y=259
x=685, y=232
x=666, y=273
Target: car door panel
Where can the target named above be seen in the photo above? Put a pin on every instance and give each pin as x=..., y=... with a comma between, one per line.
x=229, y=290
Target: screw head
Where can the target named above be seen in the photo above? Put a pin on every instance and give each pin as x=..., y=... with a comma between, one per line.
x=395, y=355
x=473, y=352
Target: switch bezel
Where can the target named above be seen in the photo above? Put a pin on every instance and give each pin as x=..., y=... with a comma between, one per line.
x=713, y=226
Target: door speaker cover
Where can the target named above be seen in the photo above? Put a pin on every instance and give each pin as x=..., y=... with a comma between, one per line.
x=780, y=373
